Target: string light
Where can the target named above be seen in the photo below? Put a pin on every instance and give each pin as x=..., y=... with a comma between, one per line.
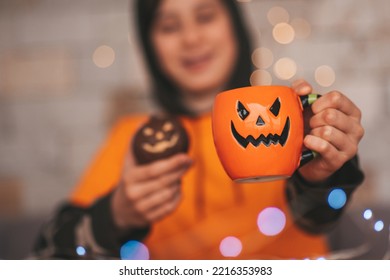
x=230, y=246
x=283, y=33
x=260, y=77
x=262, y=58
x=325, y=75
x=367, y=214
x=277, y=14
x=103, y=56
x=80, y=250
x=271, y=221
x=301, y=27
x=134, y=250
x=337, y=198
x=379, y=225
x=285, y=68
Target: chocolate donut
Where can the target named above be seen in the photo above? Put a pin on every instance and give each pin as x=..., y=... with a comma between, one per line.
x=160, y=137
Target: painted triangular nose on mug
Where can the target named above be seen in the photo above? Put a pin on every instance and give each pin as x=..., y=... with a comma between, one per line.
x=258, y=132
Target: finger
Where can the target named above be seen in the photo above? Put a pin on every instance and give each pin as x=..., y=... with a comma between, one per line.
x=301, y=87
x=332, y=159
x=165, y=209
x=337, y=100
x=129, y=160
x=143, y=189
x=342, y=142
x=339, y=120
x=158, y=199
x=160, y=167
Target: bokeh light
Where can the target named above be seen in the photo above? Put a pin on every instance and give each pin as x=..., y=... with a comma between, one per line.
x=379, y=225
x=283, y=33
x=262, y=58
x=271, y=221
x=80, y=250
x=285, y=68
x=301, y=27
x=230, y=246
x=367, y=214
x=103, y=56
x=277, y=15
x=134, y=250
x=260, y=77
x=325, y=75
x=337, y=198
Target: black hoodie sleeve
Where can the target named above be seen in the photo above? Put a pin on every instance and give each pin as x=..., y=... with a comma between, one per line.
x=83, y=233
x=309, y=202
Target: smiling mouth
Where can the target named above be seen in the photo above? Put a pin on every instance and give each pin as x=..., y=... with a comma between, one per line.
x=262, y=139
x=197, y=62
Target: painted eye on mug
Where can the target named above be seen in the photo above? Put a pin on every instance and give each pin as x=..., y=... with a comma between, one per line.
x=242, y=111
x=275, y=107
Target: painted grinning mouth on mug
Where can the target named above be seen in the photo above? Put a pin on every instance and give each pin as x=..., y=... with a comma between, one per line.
x=262, y=139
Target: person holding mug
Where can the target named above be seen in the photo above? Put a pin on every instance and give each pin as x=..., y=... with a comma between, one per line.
x=185, y=206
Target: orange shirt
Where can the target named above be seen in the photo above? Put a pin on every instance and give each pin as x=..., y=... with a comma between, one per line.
x=216, y=218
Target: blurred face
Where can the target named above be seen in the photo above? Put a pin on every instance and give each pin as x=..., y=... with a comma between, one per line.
x=195, y=44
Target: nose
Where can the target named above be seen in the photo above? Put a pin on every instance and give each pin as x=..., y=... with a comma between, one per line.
x=260, y=121
x=191, y=34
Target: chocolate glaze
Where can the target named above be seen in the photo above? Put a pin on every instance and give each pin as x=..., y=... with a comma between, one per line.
x=160, y=137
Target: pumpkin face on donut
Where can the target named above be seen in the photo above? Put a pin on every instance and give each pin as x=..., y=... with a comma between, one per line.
x=160, y=137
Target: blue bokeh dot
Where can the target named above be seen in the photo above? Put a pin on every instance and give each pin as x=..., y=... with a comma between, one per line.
x=337, y=198
x=134, y=250
x=367, y=214
x=379, y=225
x=80, y=250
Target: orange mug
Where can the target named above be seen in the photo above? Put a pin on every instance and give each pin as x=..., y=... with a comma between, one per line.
x=258, y=132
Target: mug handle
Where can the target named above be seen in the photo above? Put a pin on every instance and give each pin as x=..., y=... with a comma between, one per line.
x=307, y=101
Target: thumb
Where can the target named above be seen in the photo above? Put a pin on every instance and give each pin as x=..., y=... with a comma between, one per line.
x=301, y=87
x=129, y=159
x=129, y=166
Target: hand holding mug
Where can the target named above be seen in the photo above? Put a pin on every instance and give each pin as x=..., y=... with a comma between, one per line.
x=335, y=132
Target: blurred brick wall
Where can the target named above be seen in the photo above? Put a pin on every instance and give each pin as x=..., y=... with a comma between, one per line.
x=56, y=104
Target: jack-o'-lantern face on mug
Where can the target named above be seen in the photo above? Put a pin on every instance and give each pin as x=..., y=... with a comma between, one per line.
x=260, y=124
x=258, y=132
